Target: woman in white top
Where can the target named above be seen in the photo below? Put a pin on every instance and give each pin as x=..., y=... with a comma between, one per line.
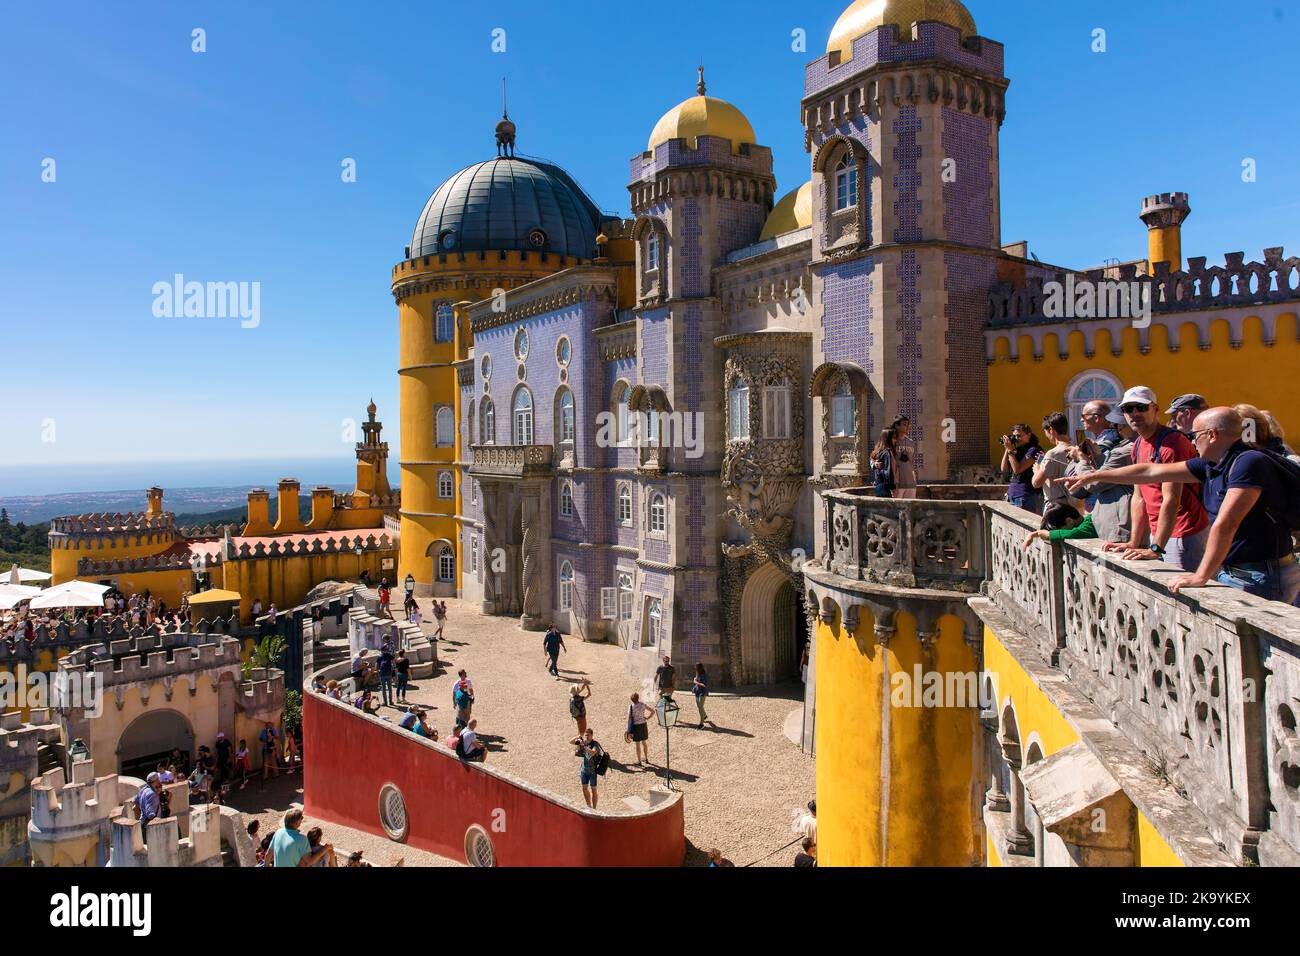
x=637, y=731
x=904, y=459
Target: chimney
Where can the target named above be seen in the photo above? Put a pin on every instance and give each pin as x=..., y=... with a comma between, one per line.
x=288, y=520
x=1164, y=215
x=322, y=507
x=259, y=514
x=155, y=502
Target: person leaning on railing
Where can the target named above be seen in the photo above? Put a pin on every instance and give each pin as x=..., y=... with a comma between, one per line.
x=1251, y=496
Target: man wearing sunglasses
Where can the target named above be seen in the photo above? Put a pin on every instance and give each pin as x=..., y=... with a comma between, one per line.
x=1249, y=546
x=1167, y=520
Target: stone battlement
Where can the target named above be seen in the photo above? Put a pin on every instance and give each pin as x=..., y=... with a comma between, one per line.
x=86, y=800
x=168, y=654
x=89, y=567
x=101, y=631
x=1235, y=284
x=311, y=545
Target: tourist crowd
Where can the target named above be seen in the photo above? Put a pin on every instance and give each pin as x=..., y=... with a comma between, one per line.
x=1214, y=491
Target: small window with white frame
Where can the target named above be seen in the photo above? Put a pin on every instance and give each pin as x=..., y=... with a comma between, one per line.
x=738, y=409
x=654, y=622
x=446, y=565
x=445, y=427
x=658, y=513
x=446, y=485
x=566, y=586
x=652, y=252
x=625, y=504
x=566, y=499
x=846, y=182
x=624, y=596
x=843, y=412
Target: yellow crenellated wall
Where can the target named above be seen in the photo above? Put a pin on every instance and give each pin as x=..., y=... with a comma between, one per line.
x=1026, y=389
x=119, y=547
x=927, y=787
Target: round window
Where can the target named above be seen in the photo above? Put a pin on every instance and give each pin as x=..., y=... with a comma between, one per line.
x=537, y=238
x=487, y=366
x=521, y=344
x=392, y=813
x=478, y=847
x=563, y=351
x=447, y=240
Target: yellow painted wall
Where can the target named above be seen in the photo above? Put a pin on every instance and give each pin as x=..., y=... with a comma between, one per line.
x=1152, y=850
x=928, y=790
x=1026, y=390
x=63, y=560
x=427, y=378
x=200, y=708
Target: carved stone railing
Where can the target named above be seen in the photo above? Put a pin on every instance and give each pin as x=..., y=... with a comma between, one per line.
x=1206, y=683
x=904, y=542
x=511, y=461
x=1235, y=284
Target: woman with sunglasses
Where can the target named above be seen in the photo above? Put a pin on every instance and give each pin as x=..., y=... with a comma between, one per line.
x=1020, y=451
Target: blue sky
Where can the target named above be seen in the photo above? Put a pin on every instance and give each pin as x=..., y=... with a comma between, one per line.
x=226, y=165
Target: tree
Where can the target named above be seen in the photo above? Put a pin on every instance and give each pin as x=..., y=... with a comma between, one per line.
x=267, y=653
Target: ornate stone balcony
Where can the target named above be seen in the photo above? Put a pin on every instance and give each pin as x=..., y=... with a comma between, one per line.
x=926, y=542
x=1206, y=684
x=511, y=461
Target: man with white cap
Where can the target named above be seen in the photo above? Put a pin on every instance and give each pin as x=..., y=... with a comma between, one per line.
x=1168, y=521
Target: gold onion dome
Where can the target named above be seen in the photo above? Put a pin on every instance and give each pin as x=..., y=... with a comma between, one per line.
x=702, y=116
x=863, y=16
x=794, y=211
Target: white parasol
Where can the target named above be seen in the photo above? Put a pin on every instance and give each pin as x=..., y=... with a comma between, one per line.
x=70, y=594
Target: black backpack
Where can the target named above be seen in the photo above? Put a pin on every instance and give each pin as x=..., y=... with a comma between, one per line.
x=602, y=762
x=1288, y=473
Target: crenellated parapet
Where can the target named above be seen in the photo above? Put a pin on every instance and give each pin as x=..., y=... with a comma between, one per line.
x=90, y=567
x=152, y=658
x=309, y=545
x=1235, y=284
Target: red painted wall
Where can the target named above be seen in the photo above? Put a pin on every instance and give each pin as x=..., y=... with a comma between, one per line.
x=348, y=757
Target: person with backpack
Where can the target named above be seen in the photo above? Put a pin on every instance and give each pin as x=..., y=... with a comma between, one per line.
x=884, y=463
x=386, y=674
x=462, y=698
x=552, y=644
x=594, y=763
x=638, y=729
x=468, y=746
x=402, y=667
x=578, y=697
x=1252, y=498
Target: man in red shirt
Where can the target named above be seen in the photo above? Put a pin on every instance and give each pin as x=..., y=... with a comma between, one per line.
x=1168, y=520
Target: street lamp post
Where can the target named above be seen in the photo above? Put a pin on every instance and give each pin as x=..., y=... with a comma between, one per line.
x=666, y=710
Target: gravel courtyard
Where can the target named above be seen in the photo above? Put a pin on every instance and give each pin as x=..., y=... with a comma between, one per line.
x=742, y=780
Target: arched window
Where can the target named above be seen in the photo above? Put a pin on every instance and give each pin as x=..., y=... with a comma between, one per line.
x=568, y=427
x=843, y=412
x=523, y=418
x=488, y=431
x=1090, y=386
x=446, y=565
x=654, y=623
x=652, y=251
x=566, y=586
x=738, y=409
x=622, y=393
x=625, y=504
x=446, y=485
x=846, y=182
x=624, y=597
x=776, y=410
x=566, y=500
x=470, y=424
x=444, y=429
x=658, y=513
x=445, y=324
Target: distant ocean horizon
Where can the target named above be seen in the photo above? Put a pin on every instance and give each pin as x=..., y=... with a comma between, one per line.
x=59, y=479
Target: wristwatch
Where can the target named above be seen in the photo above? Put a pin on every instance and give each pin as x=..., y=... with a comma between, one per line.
x=1157, y=550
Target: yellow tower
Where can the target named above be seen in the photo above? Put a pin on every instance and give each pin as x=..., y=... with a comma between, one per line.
x=490, y=228
x=1164, y=216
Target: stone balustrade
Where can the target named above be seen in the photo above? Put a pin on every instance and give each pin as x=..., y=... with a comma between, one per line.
x=1206, y=683
x=511, y=461
x=904, y=542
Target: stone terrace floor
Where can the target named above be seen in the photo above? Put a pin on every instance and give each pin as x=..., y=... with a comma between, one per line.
x=742, y=780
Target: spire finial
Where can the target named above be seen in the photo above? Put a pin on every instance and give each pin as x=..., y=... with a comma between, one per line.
x=505, y=128
x=700, y=89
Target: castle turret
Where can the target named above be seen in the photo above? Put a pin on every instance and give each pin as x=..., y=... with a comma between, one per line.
x=1164, y=215
x=155, y=508
x=372, y=459
x=322, y=507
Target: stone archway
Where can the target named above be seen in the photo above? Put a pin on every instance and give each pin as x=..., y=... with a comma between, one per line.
x=150, y=738
x=770, y=627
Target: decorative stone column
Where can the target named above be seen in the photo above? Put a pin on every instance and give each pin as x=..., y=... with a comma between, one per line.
x=535, y=579
x=1019, y=839
x=996, y=799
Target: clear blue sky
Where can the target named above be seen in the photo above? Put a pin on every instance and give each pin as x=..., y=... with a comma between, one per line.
x=225, y=166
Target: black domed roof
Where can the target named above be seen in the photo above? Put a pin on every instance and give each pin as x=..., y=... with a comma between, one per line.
x=505, y=204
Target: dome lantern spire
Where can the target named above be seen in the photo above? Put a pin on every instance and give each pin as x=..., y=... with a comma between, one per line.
x=505, y=130
x=699, y=89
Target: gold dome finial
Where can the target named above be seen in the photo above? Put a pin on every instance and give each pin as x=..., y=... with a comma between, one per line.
x=699, y=89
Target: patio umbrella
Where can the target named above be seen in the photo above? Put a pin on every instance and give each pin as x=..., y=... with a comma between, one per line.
x=70, y=594
x=18, y=575
x=11, y=594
